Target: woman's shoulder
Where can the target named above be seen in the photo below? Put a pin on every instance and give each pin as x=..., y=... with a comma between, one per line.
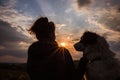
x=64, y=50
x=34, y=45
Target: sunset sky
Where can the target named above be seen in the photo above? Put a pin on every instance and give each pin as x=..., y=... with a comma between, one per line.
x=71, y=17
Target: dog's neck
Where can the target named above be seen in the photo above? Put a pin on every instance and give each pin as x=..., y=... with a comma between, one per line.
x=93, y=54
x=92, y=57
x=90, y=53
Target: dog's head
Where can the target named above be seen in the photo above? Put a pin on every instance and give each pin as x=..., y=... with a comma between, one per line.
x=94, y=46
x=88, y=38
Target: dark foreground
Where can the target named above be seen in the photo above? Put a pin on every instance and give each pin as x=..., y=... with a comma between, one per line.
x=15, y=71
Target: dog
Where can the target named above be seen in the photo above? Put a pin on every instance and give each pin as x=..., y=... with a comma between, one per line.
x=101, y=63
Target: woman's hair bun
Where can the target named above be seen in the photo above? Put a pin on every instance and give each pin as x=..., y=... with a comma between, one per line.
x=42, y=20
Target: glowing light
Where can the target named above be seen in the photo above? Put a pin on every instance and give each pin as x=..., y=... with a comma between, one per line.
x=63, y=44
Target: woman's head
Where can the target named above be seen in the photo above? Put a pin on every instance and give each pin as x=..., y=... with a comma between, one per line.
x=43, y=29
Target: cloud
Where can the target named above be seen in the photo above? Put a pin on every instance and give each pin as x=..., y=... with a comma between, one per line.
x=8, y=33
x=12, y=59
x=8, y=3
x=115, y=3
x=12, y=43
x=13, y=16
x=15, y=38
x=111, y=20
x=83, y=3
x=2, y=47
x=106, y=19
x=93, y=5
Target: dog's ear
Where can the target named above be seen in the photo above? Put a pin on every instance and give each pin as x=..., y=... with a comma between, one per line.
x=89, y=38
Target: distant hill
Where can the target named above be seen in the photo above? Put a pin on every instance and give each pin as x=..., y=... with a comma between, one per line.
x=20, y=66
x=13, y=66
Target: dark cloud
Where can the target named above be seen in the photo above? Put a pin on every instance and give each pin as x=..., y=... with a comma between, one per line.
x=10, y=39
x=99, y=4
x=82, y=3
x=110, y=13
x=115, y=3
x=113, y=40
x=3, y=2
x=15, y=53
x=111, y=22
x=7, y=33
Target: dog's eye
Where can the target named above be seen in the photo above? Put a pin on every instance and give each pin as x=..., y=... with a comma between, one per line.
x=81, y=38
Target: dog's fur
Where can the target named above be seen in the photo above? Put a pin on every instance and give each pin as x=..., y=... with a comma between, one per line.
x=102, y=65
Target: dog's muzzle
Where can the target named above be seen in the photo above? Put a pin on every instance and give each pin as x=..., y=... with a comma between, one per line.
x=79, y=46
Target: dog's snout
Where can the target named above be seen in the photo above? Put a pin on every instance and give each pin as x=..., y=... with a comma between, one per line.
x=76, y=45
x=79, y=46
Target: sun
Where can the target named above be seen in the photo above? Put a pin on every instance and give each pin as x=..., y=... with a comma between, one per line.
x=63, y=44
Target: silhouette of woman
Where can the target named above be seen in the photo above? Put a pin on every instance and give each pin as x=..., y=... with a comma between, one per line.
x=46, y=60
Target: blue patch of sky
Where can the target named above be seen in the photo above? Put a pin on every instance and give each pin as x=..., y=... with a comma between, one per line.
x=56, y=8
x=29, y=7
